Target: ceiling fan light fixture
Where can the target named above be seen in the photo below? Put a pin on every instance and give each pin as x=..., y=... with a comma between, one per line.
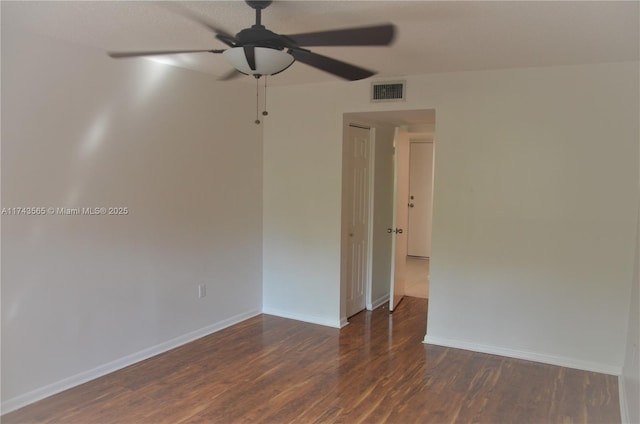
x=267, y=61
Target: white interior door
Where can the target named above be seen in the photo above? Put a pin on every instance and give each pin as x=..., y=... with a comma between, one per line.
x=420, y=198
x=381, y=241
x=357, y=210
x=400, y=218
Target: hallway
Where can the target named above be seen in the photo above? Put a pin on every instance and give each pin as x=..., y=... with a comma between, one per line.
x=417, y=277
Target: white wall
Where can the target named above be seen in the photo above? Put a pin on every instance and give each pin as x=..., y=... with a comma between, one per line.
x=534, y=208
x=630, y=378
x=83, y=295
x=301, y=201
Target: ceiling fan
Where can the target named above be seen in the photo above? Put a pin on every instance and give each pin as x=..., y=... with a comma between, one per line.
x=258, y=51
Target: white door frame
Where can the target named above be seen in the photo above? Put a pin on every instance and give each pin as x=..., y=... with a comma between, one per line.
x=372, y=161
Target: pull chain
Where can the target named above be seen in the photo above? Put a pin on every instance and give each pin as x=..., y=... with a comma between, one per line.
x=264, y=112
x=257, y=121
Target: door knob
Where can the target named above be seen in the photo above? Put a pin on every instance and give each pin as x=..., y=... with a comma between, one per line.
x=399, y=230
x=411, y=204
x=390, y=230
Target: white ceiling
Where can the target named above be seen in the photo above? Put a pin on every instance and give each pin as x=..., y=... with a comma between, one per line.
x=432, y=36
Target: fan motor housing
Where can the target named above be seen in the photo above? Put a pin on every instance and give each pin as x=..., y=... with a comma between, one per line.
x=259, y=36
x=258, y=4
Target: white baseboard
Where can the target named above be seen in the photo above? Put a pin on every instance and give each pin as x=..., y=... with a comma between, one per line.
x=83, y=377
x=304, y=317
x=624, y=407
x=378, y=302
x=529, y=356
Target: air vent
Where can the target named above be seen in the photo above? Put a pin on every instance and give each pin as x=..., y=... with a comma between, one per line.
x=388, y=91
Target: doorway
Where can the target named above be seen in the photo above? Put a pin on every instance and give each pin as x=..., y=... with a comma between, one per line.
x=419, y=126
x=421, y=155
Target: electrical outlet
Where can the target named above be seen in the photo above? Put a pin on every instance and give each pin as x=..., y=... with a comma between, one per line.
x=202, y=291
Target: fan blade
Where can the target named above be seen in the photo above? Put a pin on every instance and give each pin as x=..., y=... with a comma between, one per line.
x=250, y=54
x=231, y=75
x=221, y=34
x=333, y=66
x=120, y=55
x=377, y=35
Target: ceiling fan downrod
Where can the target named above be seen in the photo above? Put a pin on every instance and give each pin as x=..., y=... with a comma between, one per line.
x=258, y=5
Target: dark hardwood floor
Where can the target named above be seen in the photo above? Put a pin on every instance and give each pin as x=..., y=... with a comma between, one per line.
x=274, y=370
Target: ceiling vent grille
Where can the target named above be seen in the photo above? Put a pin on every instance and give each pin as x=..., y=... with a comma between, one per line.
x=391, y=91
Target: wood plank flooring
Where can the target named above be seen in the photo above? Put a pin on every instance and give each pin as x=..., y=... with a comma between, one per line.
x=375, y=370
